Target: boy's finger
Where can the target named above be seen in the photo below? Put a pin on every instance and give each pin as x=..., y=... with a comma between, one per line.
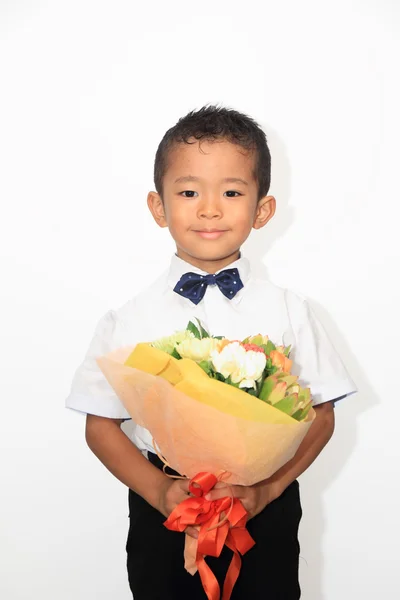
x=225, y=492
x=184, y=485
x=220, y=484
x=192, y=531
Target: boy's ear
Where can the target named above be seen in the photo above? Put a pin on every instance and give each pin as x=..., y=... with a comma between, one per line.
x=156, y=206
x=265, y=211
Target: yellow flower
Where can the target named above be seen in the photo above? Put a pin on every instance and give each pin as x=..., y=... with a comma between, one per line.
x=168, y=344
x=198, y=350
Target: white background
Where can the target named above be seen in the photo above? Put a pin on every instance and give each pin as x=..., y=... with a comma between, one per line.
x=87, y=90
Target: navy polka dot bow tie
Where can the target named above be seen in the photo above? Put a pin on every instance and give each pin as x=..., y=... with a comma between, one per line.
x=193, y=286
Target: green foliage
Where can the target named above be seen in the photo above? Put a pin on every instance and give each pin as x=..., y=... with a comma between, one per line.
x=267, y=388
x=219, y=376
x=198, y=331
x=287, y=404
x=278, y=393
x=258, y=340
x=203, y=332
x=287, y=350
x=270, y=369
x=193, y=329
x=288, y=379
x=206, y=366
x=268, y=347
x=297, y=415
x=305, y=412
x=252, y=392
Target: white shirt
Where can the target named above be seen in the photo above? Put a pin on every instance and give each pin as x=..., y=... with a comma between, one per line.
x=259, y=307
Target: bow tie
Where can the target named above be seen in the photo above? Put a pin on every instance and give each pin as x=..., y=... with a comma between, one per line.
x=193, y=286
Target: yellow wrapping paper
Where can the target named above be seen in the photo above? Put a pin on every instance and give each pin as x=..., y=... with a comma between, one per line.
x=199, y=423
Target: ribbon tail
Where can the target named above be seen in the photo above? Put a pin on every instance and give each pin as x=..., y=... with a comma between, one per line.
x=190, y=554
x=233, y=570
x=208, y=579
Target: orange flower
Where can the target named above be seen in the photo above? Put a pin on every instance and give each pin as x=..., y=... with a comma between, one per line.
x=224, y=342
x=280, y=361
x=253, y=347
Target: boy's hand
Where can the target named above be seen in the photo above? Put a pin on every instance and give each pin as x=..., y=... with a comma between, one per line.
x=172, y=493
x=254, y=498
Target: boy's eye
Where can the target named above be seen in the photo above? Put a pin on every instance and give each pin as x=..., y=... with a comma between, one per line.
x=188, y=192
x=192, y=192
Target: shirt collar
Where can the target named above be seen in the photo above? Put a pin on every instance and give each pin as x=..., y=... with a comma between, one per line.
x=179, y=267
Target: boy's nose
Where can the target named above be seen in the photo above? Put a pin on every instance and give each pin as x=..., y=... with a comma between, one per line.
x=209, y=209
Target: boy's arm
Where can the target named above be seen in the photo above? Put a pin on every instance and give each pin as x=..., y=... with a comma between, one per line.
x=115, y=450
x=256, y=497
x=316, y=439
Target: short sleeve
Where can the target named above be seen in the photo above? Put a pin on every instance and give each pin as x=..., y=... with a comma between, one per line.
x=315, y=360
x=90, y=391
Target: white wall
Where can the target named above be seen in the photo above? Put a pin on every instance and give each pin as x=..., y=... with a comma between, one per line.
x=88, y=88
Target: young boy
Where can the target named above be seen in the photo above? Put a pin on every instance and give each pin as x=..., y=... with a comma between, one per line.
x=212, y=176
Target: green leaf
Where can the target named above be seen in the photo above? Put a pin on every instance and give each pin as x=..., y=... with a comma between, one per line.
x=252, y=392
x=175, y=354
x=198, y=330
x=289, y=379
x=297, y=414
x=305, y=412
x=287, y=404
x=203, y=332
x=206, y=366
x=287, y=350
x=193, y=329
x=258, y=340
x=304, y=395
x=278, y=393
x=218, y=337
x=267, y=387
x=268, y=347
x=270, y=369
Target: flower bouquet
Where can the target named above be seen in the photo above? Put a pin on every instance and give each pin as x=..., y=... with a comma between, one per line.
x=218, y=410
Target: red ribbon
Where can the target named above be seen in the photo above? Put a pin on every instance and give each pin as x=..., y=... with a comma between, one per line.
x=216, y=530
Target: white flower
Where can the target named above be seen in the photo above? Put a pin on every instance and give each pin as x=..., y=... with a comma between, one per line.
x=198, y=350
x=243, y=367
x=168, y=344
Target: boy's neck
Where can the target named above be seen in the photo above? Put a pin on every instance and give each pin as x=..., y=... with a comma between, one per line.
x=208, y=266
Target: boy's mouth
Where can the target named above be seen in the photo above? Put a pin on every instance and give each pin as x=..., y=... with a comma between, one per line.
x=210, y=234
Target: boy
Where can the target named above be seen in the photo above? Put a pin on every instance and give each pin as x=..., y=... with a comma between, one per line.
x=212, y=176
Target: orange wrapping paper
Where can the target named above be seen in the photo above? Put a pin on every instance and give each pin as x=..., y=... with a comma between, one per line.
x=200, y=424
x=215, y=428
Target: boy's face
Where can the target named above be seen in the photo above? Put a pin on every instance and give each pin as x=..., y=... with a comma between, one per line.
x=208, y=216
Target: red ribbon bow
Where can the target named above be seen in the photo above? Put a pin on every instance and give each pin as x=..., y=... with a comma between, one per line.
x=215, y=531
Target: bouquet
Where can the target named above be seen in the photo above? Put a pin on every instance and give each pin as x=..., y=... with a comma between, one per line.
x=218, y=410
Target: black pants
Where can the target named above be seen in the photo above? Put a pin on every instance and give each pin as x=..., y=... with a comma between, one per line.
x=269, y=570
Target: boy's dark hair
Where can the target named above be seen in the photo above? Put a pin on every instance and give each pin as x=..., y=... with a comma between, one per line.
x=211, y=123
